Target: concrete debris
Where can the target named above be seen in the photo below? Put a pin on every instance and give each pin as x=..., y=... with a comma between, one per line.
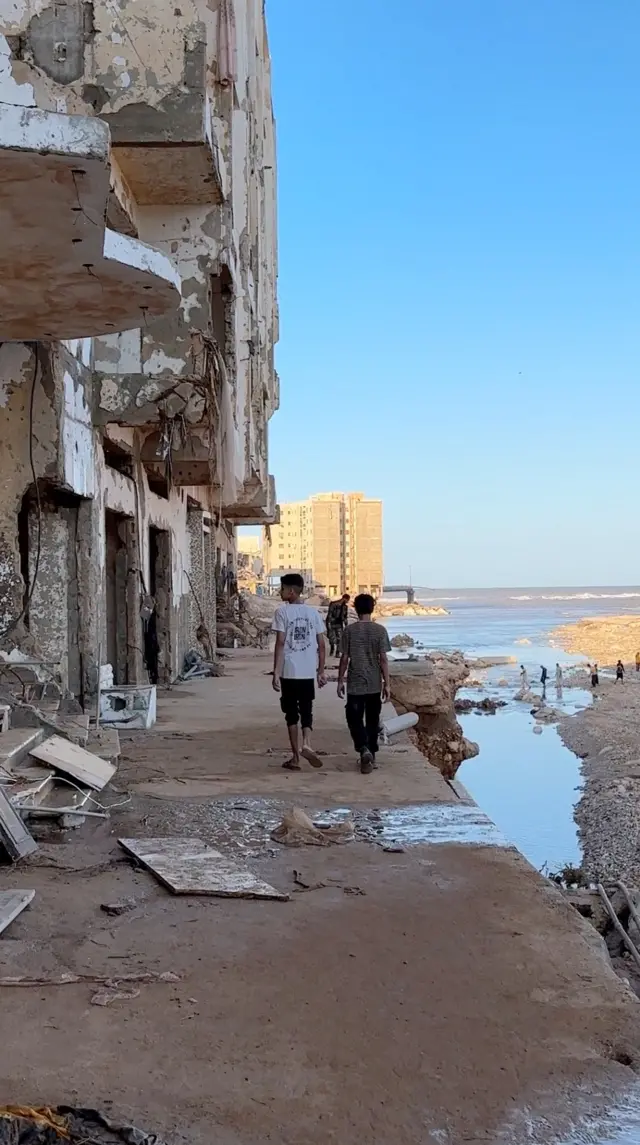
x=189, y=867
x=15, y=838
x=105, y=997
x=298, y=830
x=70, y=979
x=12, y=903
x=83, y=766
x=196, y=667
x=120, y=907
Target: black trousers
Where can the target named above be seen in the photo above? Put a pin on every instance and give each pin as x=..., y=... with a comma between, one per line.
x=363, y=719
x=296, y=701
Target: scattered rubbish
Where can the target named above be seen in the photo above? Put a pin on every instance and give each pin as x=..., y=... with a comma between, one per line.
x=105, y=997
x=394, y=849
x=120, y=907
x=111, y=980
x=298, y=830
x=12, y=903
x=195, y=666
x=188, y=866
x=75, y=761
x=63, y=1125
x=15, y=838
x=353, y=891
x=303, y=886
x=128, y=706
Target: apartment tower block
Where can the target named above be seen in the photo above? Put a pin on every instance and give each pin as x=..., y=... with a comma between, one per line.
x=333, y=539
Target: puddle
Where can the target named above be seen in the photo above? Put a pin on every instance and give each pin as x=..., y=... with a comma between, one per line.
x=242, y=827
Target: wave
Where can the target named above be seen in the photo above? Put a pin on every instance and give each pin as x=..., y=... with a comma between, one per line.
x=581, y=596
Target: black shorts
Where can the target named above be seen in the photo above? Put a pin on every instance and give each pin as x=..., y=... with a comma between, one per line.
x=296, y=701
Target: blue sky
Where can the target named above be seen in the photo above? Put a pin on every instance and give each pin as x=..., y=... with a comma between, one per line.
x=459, y=240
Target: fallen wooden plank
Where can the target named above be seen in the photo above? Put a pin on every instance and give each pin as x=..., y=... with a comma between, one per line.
x=14, y=836
x=12, y=903
x=75, y=761
x=190, y=867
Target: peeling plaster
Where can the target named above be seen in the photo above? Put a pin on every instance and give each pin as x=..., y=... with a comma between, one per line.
x=10, y=90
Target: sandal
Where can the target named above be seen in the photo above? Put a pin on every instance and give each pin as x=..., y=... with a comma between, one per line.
x=291, y=765
x=311, y=757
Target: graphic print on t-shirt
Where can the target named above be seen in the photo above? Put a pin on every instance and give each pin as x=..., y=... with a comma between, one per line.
x=299, y=634
x=301, y=626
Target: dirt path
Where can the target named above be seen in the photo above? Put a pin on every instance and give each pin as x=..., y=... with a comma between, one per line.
x=456, y=999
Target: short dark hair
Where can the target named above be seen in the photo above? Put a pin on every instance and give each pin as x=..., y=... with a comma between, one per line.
x=345, y=596
x=364, y=604
x=292, y=580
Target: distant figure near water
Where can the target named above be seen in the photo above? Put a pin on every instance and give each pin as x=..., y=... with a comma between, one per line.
x=558, y=676
x=637, y=661
x=620, y=672
x=544, y=676
x=595, y=680
x=524, y=679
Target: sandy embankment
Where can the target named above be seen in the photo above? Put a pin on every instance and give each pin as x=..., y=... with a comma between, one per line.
x=604, y=639
x=607, y=736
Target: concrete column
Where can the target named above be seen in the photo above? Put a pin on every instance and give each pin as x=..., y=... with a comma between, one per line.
x=49, y=617
x=91, y=589
x=195, y=522
x=210, y=599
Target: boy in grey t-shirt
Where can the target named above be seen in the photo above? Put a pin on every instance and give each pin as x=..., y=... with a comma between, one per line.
x=364, y=662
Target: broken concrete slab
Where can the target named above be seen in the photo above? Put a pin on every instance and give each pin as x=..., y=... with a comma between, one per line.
x=16, y=744
x=14, y=836
x=190, y=867
x=76, y=761
x=12, y=903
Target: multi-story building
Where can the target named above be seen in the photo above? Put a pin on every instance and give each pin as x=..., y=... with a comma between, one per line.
x=138, y=318
x=333, y=539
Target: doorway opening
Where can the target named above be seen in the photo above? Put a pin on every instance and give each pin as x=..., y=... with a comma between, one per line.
x=158, y=629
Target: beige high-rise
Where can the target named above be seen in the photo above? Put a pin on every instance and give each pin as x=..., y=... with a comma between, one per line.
x=333, y=539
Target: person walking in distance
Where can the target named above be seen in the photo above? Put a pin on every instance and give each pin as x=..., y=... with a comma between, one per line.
x=524, y=679
x=364, y=663
x=337, y=620
x=619, y=672
x=544, y=676
x=558, y=677
x=637, y=661
x=595, y=679
x=298, y=661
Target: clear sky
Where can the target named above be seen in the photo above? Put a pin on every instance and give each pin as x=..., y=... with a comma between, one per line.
x=459, y=221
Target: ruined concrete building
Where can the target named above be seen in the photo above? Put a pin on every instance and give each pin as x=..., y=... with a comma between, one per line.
x=138, y=318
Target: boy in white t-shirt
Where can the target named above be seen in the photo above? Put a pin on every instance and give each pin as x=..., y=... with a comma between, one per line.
x=298, y=661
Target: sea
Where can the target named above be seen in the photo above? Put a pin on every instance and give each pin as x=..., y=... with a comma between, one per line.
x=528, y=784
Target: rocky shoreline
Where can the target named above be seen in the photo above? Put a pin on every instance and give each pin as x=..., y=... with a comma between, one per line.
x=607, y=738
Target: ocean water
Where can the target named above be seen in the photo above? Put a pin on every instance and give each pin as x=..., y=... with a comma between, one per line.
x=528, y=784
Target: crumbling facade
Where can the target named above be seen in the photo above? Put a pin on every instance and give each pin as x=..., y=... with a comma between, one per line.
x=138, y=319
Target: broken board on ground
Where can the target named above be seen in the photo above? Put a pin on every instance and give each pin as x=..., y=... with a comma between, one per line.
x=190, y=867
x=14, y=836
x=76, y=761
x=12, y=903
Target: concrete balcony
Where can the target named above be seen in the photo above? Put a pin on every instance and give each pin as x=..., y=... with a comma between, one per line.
x=168, y=151
x=256, y=505
x=63, y=275
x=145, y=400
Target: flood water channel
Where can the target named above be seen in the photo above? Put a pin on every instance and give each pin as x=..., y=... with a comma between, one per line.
x=527, y=783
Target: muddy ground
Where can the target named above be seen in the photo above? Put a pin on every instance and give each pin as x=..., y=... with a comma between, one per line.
x=456, y=999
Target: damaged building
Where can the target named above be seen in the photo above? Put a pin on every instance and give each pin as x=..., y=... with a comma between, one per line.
x=138, y=318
